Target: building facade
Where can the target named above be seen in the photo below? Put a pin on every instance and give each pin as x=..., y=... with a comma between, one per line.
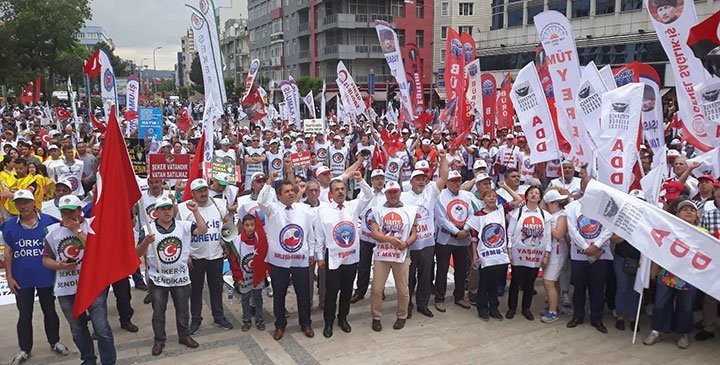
x=608, y=32
x=90, y=35
x=187, y=48
x=309, y=38
x=235, y=49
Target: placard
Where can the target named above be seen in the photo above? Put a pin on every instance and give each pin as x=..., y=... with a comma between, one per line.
x=223, y=168
x=301, y=159
x=138, y=155
x=168, y=166
x=150, y=122
x=313, y=126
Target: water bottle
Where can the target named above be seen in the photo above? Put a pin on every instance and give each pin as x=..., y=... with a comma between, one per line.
x=229, y=292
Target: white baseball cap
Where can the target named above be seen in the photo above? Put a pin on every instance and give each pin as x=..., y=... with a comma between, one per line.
x=479, y=164
x=52, y=147
x=637, y=193
x=257, y=175
x=163, y=201
x=454, y=174
x=553, y=195
x=322, y=170
x=391, y=186
x=377, y=172
x=426, y=141
x=65, y=182
x=417, y=173
x=225, y=141
x=480, y=177
x=673, y=153
x=23, y=194
x=510, y=136
x=422, y=165
x=71, y=202
x=198, y=184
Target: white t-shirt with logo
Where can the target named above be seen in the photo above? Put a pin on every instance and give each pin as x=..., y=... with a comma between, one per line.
x=338, y=160
x=207, y=245
x=62, y=244
x=451, y=213
x=425, y=220
x=397, y=222
x=168, y=255
x=529, y=237
x=492, y=248
x=584, y=231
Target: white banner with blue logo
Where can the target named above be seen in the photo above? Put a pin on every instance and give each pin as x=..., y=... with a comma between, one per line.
x=108, y=90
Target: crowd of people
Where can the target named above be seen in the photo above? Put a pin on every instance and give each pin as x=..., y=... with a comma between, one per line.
x=376, y=198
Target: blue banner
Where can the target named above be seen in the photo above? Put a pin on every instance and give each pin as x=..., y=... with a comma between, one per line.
x=150, y=122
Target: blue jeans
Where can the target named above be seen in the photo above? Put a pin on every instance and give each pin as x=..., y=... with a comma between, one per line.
x=97, y=314
x=626, y=298
x=673, y=306
x=256, y=296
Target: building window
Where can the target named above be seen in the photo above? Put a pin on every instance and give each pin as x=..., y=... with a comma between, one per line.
x=419, y=38
x=604, y=7
x=559, y=7
x=532, y=11
x=581, y=8
x=443, y=32
x=397, y=9
x=467, y=29
x=445, y=8
x=628, y=5
x=401, y=36
x=498, y=17
x=442, y=55
x=419, y=9
x=466, y=8
x=515, y=18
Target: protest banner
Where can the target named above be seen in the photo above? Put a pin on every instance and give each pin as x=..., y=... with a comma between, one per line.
x=223, y=168
x=137, y=149
x=300, y=159
x=168, y=166
x=313, y=126
x=150, y=121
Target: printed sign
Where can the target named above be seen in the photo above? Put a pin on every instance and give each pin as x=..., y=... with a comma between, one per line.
x=223, y=168
x=301, y=159
x=168, y=166
x=138, y=155
x=313, y=126
x=150, y=121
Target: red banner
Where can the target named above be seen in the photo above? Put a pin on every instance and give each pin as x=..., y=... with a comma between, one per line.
x=454, y=79
x=505, y=109
x=489, y=96
x=412, y=64
x=167, y=166
x=468, y=56
x=301, y=159
x=541, y=64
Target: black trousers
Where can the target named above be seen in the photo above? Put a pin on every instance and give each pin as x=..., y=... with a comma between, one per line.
x=487, y=295
x=459, y=255
x=420, y=275
x=363, y=269
x=121, y=289
x=589, y=278
x=523, y=277
x=212, y=269
x=280, y=280
x=25, y=301
x=338, y=280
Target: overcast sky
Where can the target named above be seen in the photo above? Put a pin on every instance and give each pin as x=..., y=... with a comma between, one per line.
x=138, y=26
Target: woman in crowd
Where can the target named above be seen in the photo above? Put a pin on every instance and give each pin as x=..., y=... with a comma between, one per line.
x=555, y=201
x=674, y=297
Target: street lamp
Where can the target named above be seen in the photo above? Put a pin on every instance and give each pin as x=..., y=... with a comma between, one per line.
x=154, y=65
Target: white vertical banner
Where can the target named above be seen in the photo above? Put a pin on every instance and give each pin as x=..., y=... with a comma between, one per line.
x=709, y=92
x=71, y=96
x=252, y=72
x=323, y=112
x=474, y=88
x=214, y=87
x=652, y=116
x=557, y=40
x=108, y=89
x=292, y=102
x=589, y=99
x=211, y=113
x=391, y=48
x=617, y=141
x=533, y=113
x=132, y=93
x=672, y=25
x=310, y=104
x=352, y=98
x=207, y=10
x=608, y=78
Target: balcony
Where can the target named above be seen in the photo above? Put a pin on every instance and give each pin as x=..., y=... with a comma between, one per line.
x=304, y=56
x=362, y=79
x=303, y=27
x=352, y=21
x=351, y=51
x=277, y=38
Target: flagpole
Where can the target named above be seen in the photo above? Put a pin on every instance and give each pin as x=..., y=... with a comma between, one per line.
x=148, y=228
x=637, y=318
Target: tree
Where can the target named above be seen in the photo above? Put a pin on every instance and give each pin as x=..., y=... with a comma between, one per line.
x=196, y=77
x=305, y=84
x=229, y=86
x=184, y=92
x=37, y=38
x=120, y=66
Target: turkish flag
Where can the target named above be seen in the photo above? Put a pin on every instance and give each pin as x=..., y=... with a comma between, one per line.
x=92, y=65
x=184, y=120
x=704, y=40
x=27, y=94
x=62, y=113
x=260, y=267
x=100, y=126
x=130, y=115
x=110, y=248
x=254, y=106
x=196, y=167
x=378, y=158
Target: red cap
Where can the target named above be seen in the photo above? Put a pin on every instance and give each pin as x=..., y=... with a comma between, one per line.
x=673, y=189
x=707, y=177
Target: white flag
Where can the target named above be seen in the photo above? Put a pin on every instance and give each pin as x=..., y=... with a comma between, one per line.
x=213, y=83
x=709, y=163
x=310, y=104
x=108, y=90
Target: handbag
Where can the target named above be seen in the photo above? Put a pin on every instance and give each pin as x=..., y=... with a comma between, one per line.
x=630, y=265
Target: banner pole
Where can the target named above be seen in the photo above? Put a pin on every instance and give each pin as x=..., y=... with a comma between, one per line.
x=637, y=318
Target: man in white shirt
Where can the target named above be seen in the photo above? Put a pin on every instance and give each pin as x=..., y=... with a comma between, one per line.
x=568, y=180
x=51, y=207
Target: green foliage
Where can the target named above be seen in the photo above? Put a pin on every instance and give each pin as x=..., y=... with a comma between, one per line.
x=184, y=92
x=196, y=77
x=229, y=86
x=305, y=84
x=38, y=39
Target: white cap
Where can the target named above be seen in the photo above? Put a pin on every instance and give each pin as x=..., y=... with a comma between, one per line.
x=52, y=147
x=377, y=172
x=165, y=144
x=479, y=164
x=673, y=153
x=391, y=186
x=258, y=175
x=23, y=194
x=337, y=138
x=454, y=174
x=225, y=141
x=422, y=165
x=553, y=195
x=675, y=141
x=426, y=141
x=71, y=202
x=417, y=173
x=65, y=182
x=485, y=136
x=405, y=130
x=510, y=135
x=198, y=184
x=299, y=139
x=321, y=170
x=275, y=140
x=637, y=193
x=163, y=201
x=480, y=177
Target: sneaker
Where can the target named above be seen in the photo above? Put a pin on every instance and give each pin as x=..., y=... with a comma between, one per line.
x=260, y=324
x=245, y=326
x=269, y=291
x=566, y=302
x=60, y=349
x=652, y=338
x=224, y=323
x=549, y=317
x=704, y=335
x=195, y=326
x=683, y=342
x=20, y=358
